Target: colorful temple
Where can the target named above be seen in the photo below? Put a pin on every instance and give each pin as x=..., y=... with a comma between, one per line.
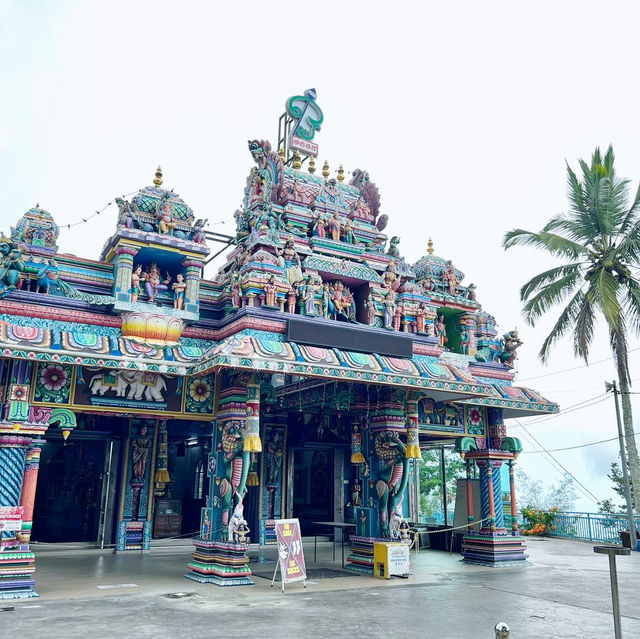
x=139, y=400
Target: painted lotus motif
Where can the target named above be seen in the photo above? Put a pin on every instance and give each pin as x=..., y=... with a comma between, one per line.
x=151, y=328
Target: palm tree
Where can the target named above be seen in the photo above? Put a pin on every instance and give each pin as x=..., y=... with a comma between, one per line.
x=598, y=240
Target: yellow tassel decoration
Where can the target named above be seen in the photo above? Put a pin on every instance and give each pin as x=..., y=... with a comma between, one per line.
x=162, y=476
x=357, y=458
x=412, y=451
x=252, y=443
x=252, y=479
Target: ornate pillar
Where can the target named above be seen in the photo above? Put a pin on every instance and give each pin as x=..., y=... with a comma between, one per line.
x=137, y=481
x=19, y=458
x=412, y=451
x=514, y=506
x=467, y=330
x=192, y=292
x=252, y=441
x=492, y=545
x=28, y=496
x=123, y=271
x=387, y=423
x=469, y=498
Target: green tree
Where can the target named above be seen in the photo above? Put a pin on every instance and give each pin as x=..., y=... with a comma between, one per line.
x=618, y=483
x=431, y=479
x=598, y=240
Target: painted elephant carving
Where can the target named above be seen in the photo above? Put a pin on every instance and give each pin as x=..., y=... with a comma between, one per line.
x=393, y=476
x=108, y=381
x=140, y=384
x=150, y=385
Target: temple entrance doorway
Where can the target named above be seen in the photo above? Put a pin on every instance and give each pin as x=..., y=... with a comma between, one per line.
x=75, y=481
x=312, y=486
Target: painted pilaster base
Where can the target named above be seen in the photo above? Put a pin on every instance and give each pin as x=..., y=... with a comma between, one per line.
x=223, y=563
x=493, y=550
x=17, y=566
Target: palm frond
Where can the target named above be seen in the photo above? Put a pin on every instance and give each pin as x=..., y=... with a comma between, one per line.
x=603, y=291
x=583, y=329
x=631, y=217
x=551, y=242
x=575, y=193
x=575, y=229
x=564, y=323
x=628, y=251
x=548, y=277
x=632, y=304
x=549, y=296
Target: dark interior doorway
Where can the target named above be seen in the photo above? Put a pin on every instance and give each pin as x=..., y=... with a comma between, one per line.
x=313, y=487
x=69, y=491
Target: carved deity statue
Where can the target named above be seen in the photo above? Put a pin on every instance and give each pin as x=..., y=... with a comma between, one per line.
x=389, y=309
x=136, y=278
x=291, y=261
x=164, y=214
x=154, y=284
x=11, y=265
x=335, y=226
x=441, y=331
x=271, y=292
x=179, y=288
x=393, y=476
x=450, y=278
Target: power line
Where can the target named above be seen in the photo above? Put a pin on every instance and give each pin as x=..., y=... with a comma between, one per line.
x=556, y=450
x=571, y=409
x=558, y=468
x=584, y=488
x=575, y=368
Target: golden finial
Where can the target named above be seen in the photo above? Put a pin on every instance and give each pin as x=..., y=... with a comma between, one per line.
x=341, y=173
x=297, y=163
x=281, y=152
x=312, y=165
x=158, y=179
x=430, y=246
x=325, y=169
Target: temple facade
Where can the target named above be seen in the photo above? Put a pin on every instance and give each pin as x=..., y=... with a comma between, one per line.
x=139, y=400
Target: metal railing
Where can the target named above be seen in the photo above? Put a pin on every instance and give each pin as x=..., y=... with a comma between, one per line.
x=591, y=526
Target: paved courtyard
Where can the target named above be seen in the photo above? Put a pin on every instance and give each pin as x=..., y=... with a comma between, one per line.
x=562, y=592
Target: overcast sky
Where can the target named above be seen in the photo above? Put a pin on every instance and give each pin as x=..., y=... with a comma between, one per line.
x=463, y=113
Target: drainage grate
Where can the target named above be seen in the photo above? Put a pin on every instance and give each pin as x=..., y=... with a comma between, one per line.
x=179, y=595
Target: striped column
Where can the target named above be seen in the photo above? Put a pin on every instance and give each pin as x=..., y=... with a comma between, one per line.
x=192, y=292
x=28, y=497
x=514, y=506
x=497, y=494
x=123, y=271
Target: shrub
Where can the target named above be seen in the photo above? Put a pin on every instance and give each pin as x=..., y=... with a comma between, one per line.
x=538, y=522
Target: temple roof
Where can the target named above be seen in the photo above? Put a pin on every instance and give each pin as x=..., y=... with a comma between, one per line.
x=37, y=230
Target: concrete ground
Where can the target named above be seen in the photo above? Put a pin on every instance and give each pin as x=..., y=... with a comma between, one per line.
x=563, y=591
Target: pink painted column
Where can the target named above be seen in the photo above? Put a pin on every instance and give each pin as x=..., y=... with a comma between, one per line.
x=469, y=500
x=28, y=496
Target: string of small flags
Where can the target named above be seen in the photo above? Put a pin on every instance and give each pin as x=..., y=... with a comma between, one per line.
x=84, y=220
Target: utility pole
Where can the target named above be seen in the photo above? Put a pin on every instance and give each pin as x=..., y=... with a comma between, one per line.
x=623, y=462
